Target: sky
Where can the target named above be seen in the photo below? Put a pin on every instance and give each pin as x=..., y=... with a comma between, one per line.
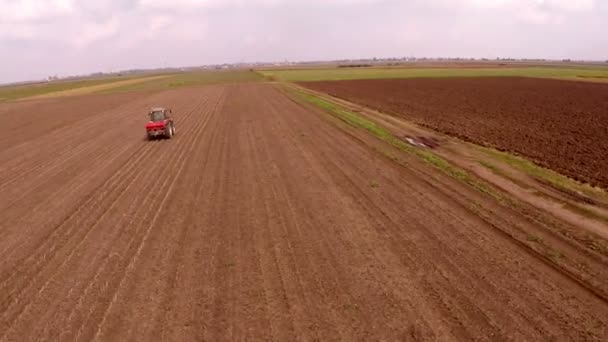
x=39, y=38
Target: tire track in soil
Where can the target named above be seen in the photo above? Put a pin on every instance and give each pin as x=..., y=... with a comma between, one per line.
x=351, y=185
x=20, y=223
x=33, y=150
x=99, y=274
x=134, y=149
x=26, y=128
x=504, y=226
x=176, y=260
x=288, y=264
x=57, y=158
x=123, y=181
x=36, y=203
x=358, y=193
x=124, y=117
x=90, y=204
x=71, y=237
x=475, y=223
x=266, y=227
x=180, y=162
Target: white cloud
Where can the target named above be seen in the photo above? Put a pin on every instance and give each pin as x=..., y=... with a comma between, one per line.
x=569, y=5
x=94, y=32
x=27, y=10
x=90, y=35
x=159, y=21
x=512, y=6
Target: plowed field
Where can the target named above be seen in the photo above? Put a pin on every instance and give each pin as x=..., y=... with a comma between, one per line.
x=261, y=220
x=561, y=125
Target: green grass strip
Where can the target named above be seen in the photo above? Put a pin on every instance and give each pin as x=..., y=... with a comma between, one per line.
x=599, y=73
x=385, y=135
x=555, y=179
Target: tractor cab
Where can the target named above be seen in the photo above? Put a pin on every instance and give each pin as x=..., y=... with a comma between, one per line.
x=161, y=124
x=159, y=114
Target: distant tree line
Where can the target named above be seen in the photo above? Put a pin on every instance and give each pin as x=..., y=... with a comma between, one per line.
x=354, y=66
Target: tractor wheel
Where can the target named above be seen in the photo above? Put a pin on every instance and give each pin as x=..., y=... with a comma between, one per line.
x=173, y=128
x=169, y=132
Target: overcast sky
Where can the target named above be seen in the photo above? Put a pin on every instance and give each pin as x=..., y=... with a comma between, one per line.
x=45, y=37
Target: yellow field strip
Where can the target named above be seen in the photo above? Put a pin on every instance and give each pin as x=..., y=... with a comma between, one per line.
x=95, y=88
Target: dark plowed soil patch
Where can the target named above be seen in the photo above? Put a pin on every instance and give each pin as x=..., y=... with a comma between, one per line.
x=562, y=125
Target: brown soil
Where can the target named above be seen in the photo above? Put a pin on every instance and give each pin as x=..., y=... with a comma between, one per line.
x=261, y=220
x=562, y=125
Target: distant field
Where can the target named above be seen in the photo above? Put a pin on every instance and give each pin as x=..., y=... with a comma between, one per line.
x=101, y=87
x=558, y=124
x=8, y=93
x=191, y=79
x=335, y=74
x=124, y=84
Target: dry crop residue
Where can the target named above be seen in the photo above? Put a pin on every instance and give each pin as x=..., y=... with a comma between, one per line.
x=256, y=222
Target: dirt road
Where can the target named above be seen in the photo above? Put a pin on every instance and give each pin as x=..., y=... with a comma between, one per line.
x=261, y=220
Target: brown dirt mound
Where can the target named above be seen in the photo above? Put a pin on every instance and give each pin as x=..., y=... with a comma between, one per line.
x=562, y=125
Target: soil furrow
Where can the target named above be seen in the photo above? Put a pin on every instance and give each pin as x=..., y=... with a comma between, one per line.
x=265, y=219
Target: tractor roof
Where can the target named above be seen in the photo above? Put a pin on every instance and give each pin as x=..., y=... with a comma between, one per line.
x=158, y=109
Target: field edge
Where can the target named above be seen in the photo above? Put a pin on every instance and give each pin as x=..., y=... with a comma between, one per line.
x=489, y=183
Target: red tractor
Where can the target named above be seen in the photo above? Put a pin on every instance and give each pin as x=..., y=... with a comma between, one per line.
x=161, y=124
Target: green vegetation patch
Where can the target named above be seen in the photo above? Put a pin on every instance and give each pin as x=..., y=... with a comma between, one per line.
x=337, y=74
x=191, y=79
x=9, y=93
x=556, y=180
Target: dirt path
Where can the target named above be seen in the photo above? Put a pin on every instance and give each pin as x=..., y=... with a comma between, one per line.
x=558, y=124
x=261, y=220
